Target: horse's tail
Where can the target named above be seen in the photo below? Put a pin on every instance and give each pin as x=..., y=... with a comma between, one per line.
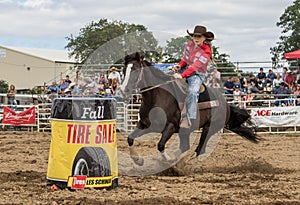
x=236, y=122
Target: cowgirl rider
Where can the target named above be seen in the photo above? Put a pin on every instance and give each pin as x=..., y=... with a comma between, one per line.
x=197, y=54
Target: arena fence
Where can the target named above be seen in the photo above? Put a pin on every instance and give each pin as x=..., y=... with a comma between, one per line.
x=128, y=116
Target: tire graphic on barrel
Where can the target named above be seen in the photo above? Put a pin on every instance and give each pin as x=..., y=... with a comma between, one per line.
x=92, y=162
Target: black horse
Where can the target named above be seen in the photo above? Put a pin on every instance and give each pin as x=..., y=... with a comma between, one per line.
x=166, y=93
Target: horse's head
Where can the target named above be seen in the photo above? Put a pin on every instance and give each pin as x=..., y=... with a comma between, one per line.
x=133, y=65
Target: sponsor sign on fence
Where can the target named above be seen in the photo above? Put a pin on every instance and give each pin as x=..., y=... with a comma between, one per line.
x=11, y=117
x=276, y=116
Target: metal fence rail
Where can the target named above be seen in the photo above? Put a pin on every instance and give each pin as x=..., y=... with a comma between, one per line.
x=128, y=117
x=131, y=117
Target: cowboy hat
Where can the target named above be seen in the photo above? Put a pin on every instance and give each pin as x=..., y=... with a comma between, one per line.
x=113, y=68
x=201, y=30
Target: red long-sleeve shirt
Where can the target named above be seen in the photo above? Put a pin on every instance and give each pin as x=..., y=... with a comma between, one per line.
x=196, y=58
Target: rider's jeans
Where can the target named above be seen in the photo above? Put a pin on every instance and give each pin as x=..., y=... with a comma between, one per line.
x=194, y=82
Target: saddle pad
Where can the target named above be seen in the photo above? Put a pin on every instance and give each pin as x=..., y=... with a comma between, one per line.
x=208, y=104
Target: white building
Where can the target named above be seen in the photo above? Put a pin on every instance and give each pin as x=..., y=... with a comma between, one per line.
x=29, y=67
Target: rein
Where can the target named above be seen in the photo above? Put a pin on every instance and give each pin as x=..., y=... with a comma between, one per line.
x=156, y=86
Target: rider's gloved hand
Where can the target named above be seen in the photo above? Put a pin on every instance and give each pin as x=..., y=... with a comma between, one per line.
x=177, y=75
x=177, y=67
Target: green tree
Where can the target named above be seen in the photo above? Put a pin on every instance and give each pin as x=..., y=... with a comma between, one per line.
x=3, y=86
x=111, y=39
x=222, y=62
x=289, y=21
x=174, y=49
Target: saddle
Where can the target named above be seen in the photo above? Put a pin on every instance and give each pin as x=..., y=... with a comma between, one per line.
x=206, y=99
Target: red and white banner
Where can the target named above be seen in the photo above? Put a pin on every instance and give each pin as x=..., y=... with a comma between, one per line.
x=276, y=116
x=11, y=117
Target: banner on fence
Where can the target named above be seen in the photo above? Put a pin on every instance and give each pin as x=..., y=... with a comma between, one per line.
x=11, y=117
x=276, y=116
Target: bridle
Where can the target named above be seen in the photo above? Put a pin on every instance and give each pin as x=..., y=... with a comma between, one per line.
x=141, y=62
x=140, y=77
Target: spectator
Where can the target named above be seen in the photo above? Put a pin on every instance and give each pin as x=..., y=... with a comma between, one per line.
x=276, y=82
x=298, y=101
x=53, y=88
x=11, y=95
x=114, y=74
x=270, y=77
x=253, y=85
x=293, y=97
x=107, y=90
x=249, y=97
x=261, y=76
x=298, y=74
x=63, y=94
x=237, y=96
x=114, y=86
x=52, y=96
x=64, y=85
x=236, y=82
x=289, y=79
x=216, y=75
x=228, y=86
x=77, y=82
x=68, y=79
x=243, y=83
x=284, y=72
x=282, y=94
x=214, y=84
x=95, y=86
x=295, y=91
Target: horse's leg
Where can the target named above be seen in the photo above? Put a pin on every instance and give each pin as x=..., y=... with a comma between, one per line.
x=130, y=139
x=166, y=135
x=184, y=137
x=207, y=132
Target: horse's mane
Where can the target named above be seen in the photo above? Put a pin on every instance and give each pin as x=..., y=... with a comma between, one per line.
x=178, y=88
x=154, y=77
x=155, y=72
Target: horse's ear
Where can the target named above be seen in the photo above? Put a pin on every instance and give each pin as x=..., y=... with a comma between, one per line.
x=137, y=56
x=142, y=54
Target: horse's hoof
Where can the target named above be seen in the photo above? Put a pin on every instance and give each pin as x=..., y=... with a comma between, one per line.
x=195, y=155
x=138, y=160
x=166, y=156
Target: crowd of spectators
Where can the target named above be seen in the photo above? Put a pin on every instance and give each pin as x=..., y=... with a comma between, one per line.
x=242, y=90
x=100, y=85
x=283, y=87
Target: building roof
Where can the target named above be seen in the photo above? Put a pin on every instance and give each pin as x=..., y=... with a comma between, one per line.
x=49, y=54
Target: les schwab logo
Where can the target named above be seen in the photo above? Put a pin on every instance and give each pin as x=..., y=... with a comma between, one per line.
x=82, y=181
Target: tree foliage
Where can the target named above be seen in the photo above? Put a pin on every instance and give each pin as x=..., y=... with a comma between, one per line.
x=289, y=21
x=174, y=49
x=111, y=39
x=3, y=86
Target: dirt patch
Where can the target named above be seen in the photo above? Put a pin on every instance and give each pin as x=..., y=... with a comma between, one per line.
x=237, y=172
